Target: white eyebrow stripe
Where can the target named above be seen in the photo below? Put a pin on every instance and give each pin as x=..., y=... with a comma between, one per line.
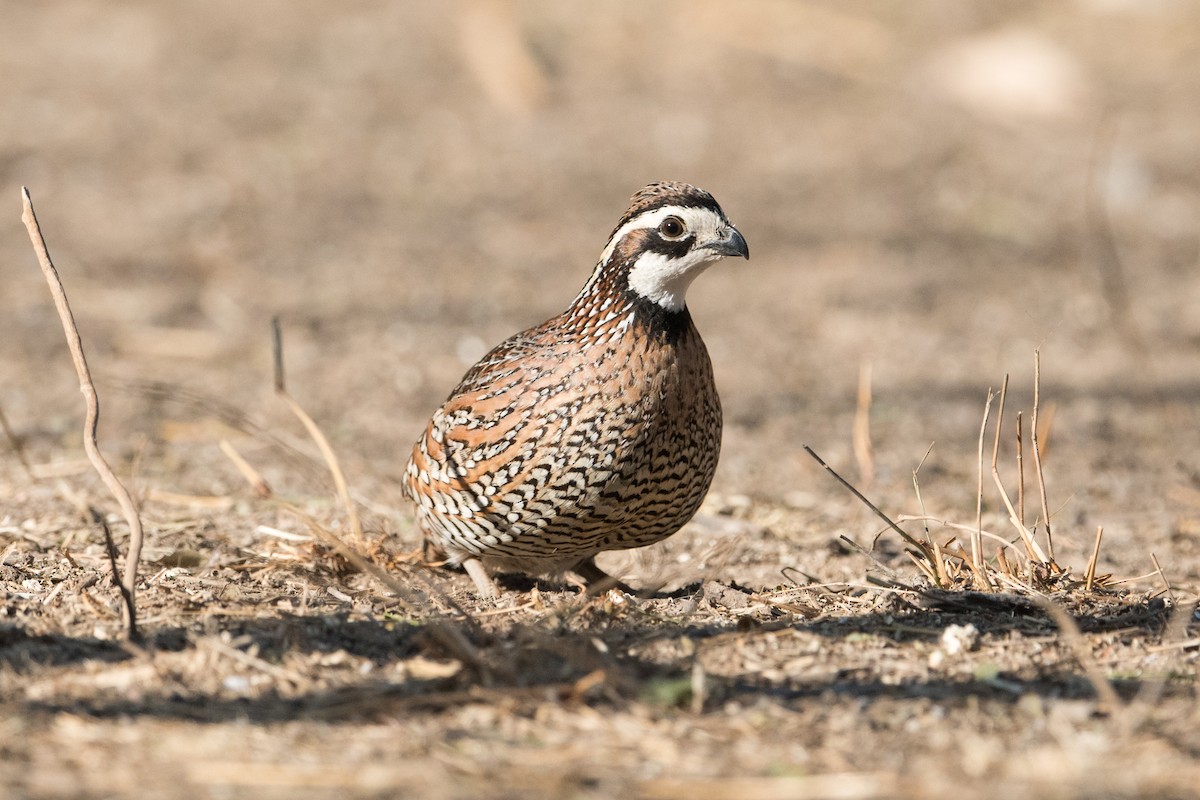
x=647, y=219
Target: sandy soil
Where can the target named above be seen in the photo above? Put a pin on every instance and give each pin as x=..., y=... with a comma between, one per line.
x=930, y=190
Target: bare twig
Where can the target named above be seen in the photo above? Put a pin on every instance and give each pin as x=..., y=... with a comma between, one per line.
x=977, y=535
x=1090, y=574
x=1031, y=546
x=1158, y=569
x=110, y=549
x=413, y=598
x=943, y=578
x=91, y=421
x=863, y=453
x=1000, y=541
x=1037, y=454
x=335, y=469
x=1020, y=471
x=257, y=482
x=924, y=548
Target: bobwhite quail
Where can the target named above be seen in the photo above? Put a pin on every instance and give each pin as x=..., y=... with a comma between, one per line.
x=598, y=429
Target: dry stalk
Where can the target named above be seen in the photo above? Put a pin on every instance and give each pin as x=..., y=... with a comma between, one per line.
x=863, y=453
x=1037, y=455
x=1031, y=546
x=451, y=638
x=257, y=482
x=921, y=546
x=1159, y=570
x=977, y=535
x=1000, y=541
x=128, y=581
x=1020, y=471
x=943, y=578
x=335, y=469
x=1090, y=574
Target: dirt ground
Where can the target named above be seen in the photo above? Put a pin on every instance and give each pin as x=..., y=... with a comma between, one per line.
x=931, y=191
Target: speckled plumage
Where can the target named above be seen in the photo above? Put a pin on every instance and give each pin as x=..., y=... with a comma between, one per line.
x=598, y=429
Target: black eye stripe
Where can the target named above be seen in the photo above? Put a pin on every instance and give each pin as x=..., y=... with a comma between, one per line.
x=671, y=248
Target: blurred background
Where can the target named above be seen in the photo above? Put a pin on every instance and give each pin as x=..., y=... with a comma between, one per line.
x=933, y=188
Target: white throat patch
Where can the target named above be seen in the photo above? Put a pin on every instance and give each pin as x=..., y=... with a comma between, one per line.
x=665, y=280
x=662, y=279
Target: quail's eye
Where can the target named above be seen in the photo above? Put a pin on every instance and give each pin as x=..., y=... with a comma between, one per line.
x=672, y=228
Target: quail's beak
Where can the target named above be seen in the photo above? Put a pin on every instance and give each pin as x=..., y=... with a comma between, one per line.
x=731, y=244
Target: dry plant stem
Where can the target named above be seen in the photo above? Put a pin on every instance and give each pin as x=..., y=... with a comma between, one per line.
x=1158, y=568
x=1002, y=562
x=1090, y=575
x=1020, y=472
x=942, y=578
x=924, y=548
x=413, y=600
x=1037, y=455
x=451, y=638
x=335, y=469
x=958, y=526
x=863, y=453
x=92, y=419
x=404, y=593
x=257, y=482
x=977, y=535
x=1031, y=546
x=110, y=549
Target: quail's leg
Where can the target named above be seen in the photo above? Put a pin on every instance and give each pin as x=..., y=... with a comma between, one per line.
x=598, y=581
x=483, y=582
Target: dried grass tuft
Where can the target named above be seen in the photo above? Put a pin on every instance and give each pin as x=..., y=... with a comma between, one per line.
x=1024, y=563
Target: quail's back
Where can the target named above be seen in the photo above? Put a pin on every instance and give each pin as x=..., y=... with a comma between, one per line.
x=598, y=429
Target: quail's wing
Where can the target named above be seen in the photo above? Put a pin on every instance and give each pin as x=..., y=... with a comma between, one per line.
x=473, y=443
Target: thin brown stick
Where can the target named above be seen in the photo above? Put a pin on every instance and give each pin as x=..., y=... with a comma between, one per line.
x=863, y=453
x=1031, y=546
x=318, y=436
x=977, y=535
x=999, y=540
x=257, y=482
x=414, y=598
x=942, y=578
x=92, y=418
x=1090, y=575
x=924, y=548
x=1158, y=568
x=1020, y=471
x=1037, y=455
